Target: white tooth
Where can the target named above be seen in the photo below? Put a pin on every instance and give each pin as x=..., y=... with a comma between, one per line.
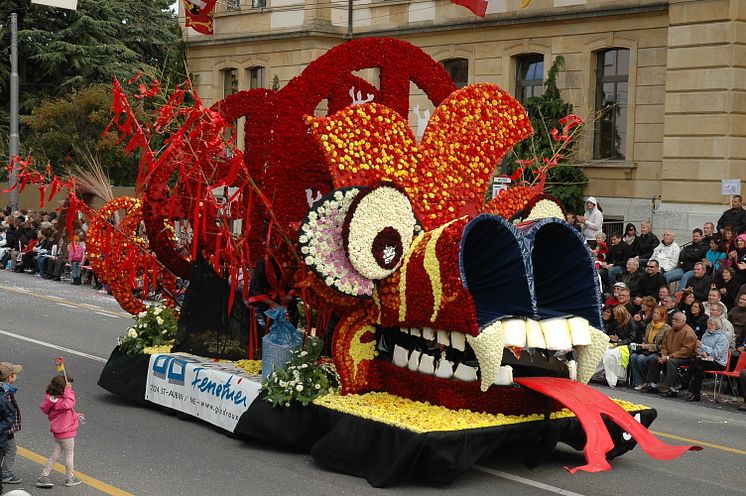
x=465, y=373
x=556, y=334
x=458, y=340
x=504, y=376
x=428, y=333
x=401, y=356
x=445, y=369
x=427, y=364
x=488, y=346
x=534, y=336
x=589, y=356
x=443, y=338
x=414, y=360
x=405, y=330
x=572, y=368
x=515, y=332
x=415, y=331
x=580, y=332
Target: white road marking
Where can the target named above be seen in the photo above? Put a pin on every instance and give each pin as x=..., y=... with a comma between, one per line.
x=523, y=480
x=108, y=315
x=54, y=346
x=66, y=305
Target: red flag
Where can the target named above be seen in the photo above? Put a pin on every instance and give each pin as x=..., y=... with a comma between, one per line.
x=199, y=15
x=479, y=7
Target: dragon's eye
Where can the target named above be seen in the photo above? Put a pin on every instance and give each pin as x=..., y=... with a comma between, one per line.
x=379, y=228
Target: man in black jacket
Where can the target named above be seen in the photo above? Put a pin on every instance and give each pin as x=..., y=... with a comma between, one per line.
x=735, y=217
x=645, y=243
x=700, y=283
x=632, y=277
x=690, y=254
x=616, y=260
x=652, y=281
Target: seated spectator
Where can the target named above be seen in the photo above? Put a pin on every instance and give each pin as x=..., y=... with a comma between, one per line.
x=728, y=241
x=667, y=254
x=709, y=231
x=737, y=317
x=735, y=217
x=630, y=235
x=653, y=280
x=715, y=257
x=737, y=259
x=616, y=260
x=600, y=249
x=607, y=320
x=742, y=376
x=572, y=220
x=725, y=324
x=28, y=255
x=678, y=349
x=648, y=351
x=613, y=300
x=670, y=304
x=615, y=359
x=645, y=243
x=625, y=300
x=697, y=318
x=685, y=303
x=689, y=255
x=644, y=316
x=663, y=293
x=728, y=287
x=712, y=354
x=632, y=277
x=699, y=285
x=713, y=298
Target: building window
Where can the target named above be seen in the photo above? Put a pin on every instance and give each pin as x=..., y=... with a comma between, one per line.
x=233, y=5
x=258, y=4
x=230, y=81
x=257, y=78
x=612, y=77
x=529, y=76
x=458, y=69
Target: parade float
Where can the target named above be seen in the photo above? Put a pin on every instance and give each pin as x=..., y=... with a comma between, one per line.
x=459, y=328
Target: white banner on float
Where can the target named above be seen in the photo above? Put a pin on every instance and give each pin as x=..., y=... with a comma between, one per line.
x=218, y=393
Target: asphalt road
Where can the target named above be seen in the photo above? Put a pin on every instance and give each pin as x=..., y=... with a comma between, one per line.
x=126, y=449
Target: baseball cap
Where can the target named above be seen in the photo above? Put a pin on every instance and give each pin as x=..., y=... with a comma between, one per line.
x=7, y=368
x=620, y=285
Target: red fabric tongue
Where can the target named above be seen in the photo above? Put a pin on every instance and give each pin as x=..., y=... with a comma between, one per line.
x=588, y=405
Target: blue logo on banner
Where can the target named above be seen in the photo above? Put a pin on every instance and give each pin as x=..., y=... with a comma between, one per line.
x=171, y=369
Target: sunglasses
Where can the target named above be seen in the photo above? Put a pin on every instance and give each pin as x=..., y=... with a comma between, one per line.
x=650, y=266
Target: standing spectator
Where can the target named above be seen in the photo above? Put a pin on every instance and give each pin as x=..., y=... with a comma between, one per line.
x=728, y=287
x=712, y=354
x=616, y=259
x=76, y=254
x=652, y=281
x=700, y=284
x=688, y=256
x=630, y=235
x=8, y=375
x=697, y=318
x=735, y=217
x=632, y=277
x=667, y=253
x=591, y=221
x=677, y=350
x=7, y=418
x=648, y=351
x=646, y=242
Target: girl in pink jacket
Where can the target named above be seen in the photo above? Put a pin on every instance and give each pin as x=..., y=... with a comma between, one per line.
x=59, y=407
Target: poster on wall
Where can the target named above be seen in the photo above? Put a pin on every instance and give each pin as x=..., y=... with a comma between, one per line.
x=216, y=392
x=198, y=14
x=730, y=187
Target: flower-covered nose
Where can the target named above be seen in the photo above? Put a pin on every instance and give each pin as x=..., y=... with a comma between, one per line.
x=355, y=236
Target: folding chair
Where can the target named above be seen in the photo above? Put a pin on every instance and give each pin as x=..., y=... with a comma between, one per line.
x=740, y=367
x=716, y=374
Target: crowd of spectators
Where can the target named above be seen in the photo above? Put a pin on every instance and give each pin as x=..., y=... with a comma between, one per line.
x=687, y=304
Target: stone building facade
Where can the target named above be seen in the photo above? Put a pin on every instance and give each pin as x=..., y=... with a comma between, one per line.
x=669, y=78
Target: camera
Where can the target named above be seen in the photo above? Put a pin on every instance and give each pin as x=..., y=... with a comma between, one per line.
x=632, y=346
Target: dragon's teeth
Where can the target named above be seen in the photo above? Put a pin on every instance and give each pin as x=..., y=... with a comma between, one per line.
x=444, y=338
x=515, y=332
x=534, y=335
x=445, y=369
x=458, y=340
x=405, y=330
x=504, y=376
x=488, y=347
x=401, y=356
x=556, y=334
x=427, y=364
x=572, y=368
x=414, y=360
x=465, y=373
x=415, y=331
x=580, y=331
x=428, y=333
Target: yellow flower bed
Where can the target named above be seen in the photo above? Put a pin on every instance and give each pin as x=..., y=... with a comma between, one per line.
x=423, y=417
x=154, y=350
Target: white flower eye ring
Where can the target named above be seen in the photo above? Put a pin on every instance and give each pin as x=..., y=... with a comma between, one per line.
x=378, y=230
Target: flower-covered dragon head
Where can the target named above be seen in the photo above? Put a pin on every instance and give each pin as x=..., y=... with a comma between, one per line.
x=439, y=298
